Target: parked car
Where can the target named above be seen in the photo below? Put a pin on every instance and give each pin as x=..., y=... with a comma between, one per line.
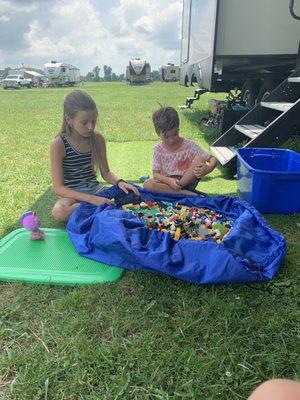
x=16, y=81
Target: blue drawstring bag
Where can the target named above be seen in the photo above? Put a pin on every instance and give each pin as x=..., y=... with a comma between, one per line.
x=250, y=252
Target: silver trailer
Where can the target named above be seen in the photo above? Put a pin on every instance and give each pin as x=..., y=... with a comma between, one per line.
x=138, y=71
x=243, y=44
x=61, y=74
x=252, y=46
x=169, y=72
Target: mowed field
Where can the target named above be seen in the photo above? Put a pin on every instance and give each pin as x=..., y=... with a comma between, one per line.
x=30, y=119
x=145, y=336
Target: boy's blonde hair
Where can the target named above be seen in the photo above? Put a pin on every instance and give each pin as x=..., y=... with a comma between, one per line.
x=79, y=100
x=165, y=119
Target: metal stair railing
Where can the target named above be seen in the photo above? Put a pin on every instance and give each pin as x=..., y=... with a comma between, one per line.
x=190, y=100
x=269, y=124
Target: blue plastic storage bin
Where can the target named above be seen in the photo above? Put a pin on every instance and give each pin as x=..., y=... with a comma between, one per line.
x=269, y=179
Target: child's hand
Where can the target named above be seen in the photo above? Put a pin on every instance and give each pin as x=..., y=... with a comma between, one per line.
x=99, y=201
x=174, y=183
x=127, y=186
x=201, y=170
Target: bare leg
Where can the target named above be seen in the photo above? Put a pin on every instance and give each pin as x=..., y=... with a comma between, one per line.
x=156, y=186
x=63, y=208
x=189, y=179
x=277, y=389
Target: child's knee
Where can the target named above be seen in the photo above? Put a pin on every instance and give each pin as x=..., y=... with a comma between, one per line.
x=59, y=212
x=149, y=184
x=277, y=389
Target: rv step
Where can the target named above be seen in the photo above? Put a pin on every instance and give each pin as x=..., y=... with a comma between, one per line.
x=198, y=92
x=192, y=98
x=252, y=131
x=295, y=79
x=277, y=105
x=183, y=107
x=223, y=154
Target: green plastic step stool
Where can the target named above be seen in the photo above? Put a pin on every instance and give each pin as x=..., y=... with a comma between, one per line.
x=51, y=261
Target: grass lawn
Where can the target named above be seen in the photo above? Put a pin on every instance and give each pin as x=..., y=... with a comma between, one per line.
x=146, y=336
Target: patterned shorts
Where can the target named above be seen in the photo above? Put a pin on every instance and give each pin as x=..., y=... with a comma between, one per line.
x=90, y=188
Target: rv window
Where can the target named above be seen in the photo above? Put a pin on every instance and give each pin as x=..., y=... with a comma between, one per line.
x=185, y=30
x=63, y=69
x=173, y=71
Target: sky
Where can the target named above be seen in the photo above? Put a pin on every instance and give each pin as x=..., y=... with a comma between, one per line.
x=86, y=33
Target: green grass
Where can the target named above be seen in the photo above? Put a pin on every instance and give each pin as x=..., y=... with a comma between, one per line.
x=146, y=336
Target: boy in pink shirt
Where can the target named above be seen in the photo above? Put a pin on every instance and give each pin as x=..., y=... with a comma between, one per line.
x=178, y=164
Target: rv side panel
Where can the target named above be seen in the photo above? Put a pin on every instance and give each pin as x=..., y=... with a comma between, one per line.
x=198, y=34
x=257, y=27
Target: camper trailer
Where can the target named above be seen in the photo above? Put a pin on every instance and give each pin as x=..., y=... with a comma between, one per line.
x=61, y=74
x=252, y=46
x=234, y=44
x=138, y=71
x=169, y=72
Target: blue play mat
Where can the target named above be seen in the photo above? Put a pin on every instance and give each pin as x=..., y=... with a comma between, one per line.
x=250, y=252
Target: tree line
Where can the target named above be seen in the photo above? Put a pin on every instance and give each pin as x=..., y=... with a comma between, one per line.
x=110, y=76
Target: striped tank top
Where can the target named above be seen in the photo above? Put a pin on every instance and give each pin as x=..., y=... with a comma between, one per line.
x=77, y=167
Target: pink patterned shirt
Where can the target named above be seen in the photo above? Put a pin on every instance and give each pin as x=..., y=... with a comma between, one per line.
x=176, y=162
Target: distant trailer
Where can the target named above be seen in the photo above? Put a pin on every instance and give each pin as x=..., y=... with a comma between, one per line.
x=138, y=71
x=61, y=74
x=169, y=72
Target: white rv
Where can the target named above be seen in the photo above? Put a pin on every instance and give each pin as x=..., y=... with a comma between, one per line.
x=61, y=74
x=243, y=44
x=169, y=72
x=138, y=71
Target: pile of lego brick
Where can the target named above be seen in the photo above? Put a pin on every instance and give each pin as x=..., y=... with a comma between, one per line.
x=180, y=221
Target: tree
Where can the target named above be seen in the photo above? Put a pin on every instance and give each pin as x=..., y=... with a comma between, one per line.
x=96, y=71
x=90, y=76
x=122, y=77
x=114, y=77
x=155, y=76
x=6, y=71
x=107, y=71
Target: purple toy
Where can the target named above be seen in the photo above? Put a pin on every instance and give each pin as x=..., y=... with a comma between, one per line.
x=31, y=222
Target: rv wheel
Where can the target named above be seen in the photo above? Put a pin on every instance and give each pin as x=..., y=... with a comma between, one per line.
x=193, y=79
x=266, y=89
x=250, y=91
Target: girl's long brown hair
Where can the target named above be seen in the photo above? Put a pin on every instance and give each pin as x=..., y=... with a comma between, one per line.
x=79, y=100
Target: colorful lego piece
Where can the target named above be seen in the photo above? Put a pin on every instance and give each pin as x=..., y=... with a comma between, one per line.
x=180, y=221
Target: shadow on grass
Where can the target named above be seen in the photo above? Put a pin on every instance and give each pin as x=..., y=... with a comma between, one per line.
x=193, y=115
x=42, y=207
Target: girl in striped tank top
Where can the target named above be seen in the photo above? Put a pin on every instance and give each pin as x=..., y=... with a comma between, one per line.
x=76, y=153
